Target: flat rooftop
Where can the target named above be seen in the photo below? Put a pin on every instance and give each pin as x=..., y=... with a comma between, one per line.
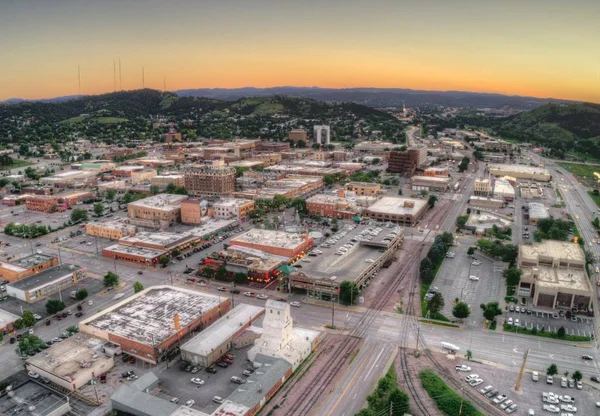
x=519, y=168
x=45, y=277
x=148, y=253
x=66, y=359
x=31, y=261
x=436, y=179
x=348, y=266
x=165, y=202
x=147, y=317
x=558, y=278
x=115, y=224
x=130, y=168
x=563, y=250
x=270, y=238
x=163, y=239
x=28, y=394
x=209, y=226
x=538, y=211
x=231, y=202
x=398, y=206
x=6, y=318
x=223, y=329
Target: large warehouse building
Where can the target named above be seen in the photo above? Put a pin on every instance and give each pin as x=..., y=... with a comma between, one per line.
x=521, y=172
x=279, y=243
x=405, y=211
x=152, y=322
x=554, y=275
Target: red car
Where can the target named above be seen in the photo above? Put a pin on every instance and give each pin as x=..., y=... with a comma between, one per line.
x=227, y=360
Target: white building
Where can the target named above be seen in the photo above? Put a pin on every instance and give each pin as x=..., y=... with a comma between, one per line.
x=504, y=190
x=280, y=339
x=322, y=134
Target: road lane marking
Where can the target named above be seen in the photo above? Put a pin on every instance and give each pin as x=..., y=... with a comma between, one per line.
x=374, y=363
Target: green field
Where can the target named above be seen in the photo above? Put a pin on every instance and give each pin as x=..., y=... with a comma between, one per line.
x=595, y=197
x=582, y=171
x=18, y=163
x=448, y=401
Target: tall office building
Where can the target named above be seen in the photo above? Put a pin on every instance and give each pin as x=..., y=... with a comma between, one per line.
x=322, y=134
x=215, y=179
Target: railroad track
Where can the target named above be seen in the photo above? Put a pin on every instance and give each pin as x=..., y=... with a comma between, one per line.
x=319, y=383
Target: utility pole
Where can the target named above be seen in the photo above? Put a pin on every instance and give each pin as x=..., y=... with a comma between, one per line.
x=391, y=408
x=462, y=396
x=518, y=384
x=332, y=312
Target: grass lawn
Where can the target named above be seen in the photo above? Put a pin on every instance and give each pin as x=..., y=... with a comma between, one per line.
x=545, y=334
x=595, y=197
x=100, y=120
x=580, y=170
x=448, y=401
x=18, y=163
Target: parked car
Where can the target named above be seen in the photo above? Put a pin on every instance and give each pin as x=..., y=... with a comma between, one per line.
x=222, y=289
x=79, y=314
x=235, y=291
x=190, y=403
x=195, y=370
x=218, y=400
x=197, y=381
x=296, y=304
x=33, y=375
x=222, y=364
x=211, y=370
x=174, y=400
x=474, y=278
x=36, y=316
x=127, y=374
x=549, y=380
x=534, y=376
x=237, y=380
x=261, y=296
x=463, y=368
x=587, y=357
x=506, y=404
x=595, y=378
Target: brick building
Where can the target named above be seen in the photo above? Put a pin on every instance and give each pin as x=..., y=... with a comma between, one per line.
x=113, y=230
x=162, y=209
x=232, y=208
x=406, y=211
x=408, y=161
x=151, y=323
x=215, y=179
x=192, y=211
x=278, y=243
x=331, y=206
x=298, y=134
x=172, y=136
x=26, y=266
x=162, y=181
x=266, y=146
x=364, y=188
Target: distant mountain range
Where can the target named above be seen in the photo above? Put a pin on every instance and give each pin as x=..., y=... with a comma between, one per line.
x=372, y=97
x=41, y=100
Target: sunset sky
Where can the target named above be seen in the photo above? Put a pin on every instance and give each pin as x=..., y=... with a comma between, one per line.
x=543, y=48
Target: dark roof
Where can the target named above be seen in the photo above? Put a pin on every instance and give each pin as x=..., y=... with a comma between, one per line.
x=129, y=400
x=47, y=276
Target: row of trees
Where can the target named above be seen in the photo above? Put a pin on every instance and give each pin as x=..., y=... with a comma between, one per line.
x=435, y=256
x=25, y=230
x=553, y=229
x=505, y=252
x=553, y=370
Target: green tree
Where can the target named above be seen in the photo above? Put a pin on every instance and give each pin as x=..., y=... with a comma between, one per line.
x=561, y=332
x=577, y=376
x=491, y=310
x=79, y=215
x=98, y=208
x=512, y=276
x=208, y=272
x=240, y=278
x=155, y=190
x=462, y=221
x=432, y=200
x=81, y=294
x=164, y=260
x=300, y=205
x=221, y=273
x=552, y=370
x=111, y=279
x=328, y=180
x=348, y=293
x=54, y=305
x=28, y=318
x=469, y=355
x=461, y=310
x=471, y=251
x=110, y=194
x=176, y=252
x=29, y=343
x=137, y=287
x=436, y=303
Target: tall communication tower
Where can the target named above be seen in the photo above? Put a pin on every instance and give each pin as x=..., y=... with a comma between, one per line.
x=120, y=79
x=79, y=78
x=115, y=74
x=164, y=83
x=143, y=81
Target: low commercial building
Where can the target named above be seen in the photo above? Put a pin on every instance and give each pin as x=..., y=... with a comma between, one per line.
x=482, y=187
x=531, y=191
x=162, y=181
x=155, y=163
x=364, y=188
x=277, y=147
x=70, y=178
x=127, y=170
x=257, y=265
x=436, y=171
x=44, y=203
x=151, y=323
x=7, y=321
x=118, y=186
x=232, y=208
x=266, y=158
x=72, y=363
x=46, y=283
x=143, y=176
x=14, y=200
x=297, y=135
x=429, y=183
x=504, y=190
x=113, y=230
x=482, y=222
x=373, y=147
x=159, y=241
x=211, y=344
x=279, y=243
x=193, y=210
x=484, y=202
x=554, y=275
x=454, y=144
x=140, y=255
x=26, y=266
x=331, y=206
x=537, y=212
x=399, y=210
x=162, y=210
x=533, y=173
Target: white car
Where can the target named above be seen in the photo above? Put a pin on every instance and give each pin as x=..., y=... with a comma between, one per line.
x=198, y=381
x=261, y=296
x=296, y=304
x=568, y=408
x=510, y=320
x=90, y=303
x=190, y=403
x=517, y=322
x=486, y=389
x=471, y=377
x=499, y=399
x=531, y=412
x=475, y=382
x=511, y=409
x=474, y=278
x=506, y=404
x=551, y=408
x=463, y=368
x=476, y=263
x=566, y=399
x=33, y=374
x=218, y=399
x=370, y=261
x=36, y=316
x=579, y=385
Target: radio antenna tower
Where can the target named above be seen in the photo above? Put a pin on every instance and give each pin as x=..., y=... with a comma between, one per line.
x=120, y=79
x=165, y=83
x=143, y=81
x=79, y=78
x=115, y=74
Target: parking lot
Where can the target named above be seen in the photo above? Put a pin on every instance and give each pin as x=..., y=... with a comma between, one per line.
x=453, y=280
x=530, y=396
x=552, y=321
x=176, y=382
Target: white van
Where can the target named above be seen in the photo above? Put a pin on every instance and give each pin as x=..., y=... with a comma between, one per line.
x=535, y=376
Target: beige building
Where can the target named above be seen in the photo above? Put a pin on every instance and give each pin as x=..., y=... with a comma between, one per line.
x=162, y=181
x=141, y=176
x=482, y=187
x=233, y=208
x=485, y=202
x=364, y=188
x=215, y=179
x=400, y=210
x=160, y=210
x=533, y=173
x=554, y=275
x=113, y=230
x=298, y=134
x=192, y=211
